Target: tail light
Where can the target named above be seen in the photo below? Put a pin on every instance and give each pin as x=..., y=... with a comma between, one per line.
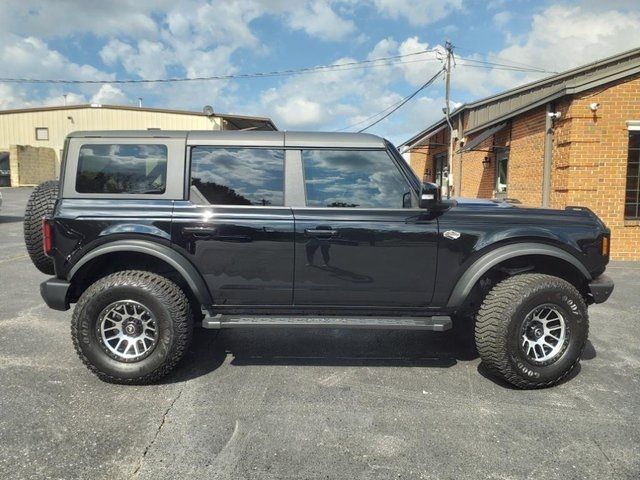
x=47, y=236
x=604, y=247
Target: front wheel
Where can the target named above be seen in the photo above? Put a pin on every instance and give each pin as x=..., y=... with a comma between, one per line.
x=132, y=327
x=531, y=330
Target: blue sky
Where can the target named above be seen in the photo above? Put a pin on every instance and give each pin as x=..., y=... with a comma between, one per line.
x=145, y=39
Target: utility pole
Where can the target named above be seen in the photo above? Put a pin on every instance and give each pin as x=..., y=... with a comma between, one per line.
x=448, y=46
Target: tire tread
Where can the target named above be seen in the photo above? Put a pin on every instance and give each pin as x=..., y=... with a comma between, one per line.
x=168, y=293
x=493, y=318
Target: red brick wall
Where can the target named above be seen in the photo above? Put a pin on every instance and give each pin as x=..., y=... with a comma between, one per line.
x=589, y=159
x=591, y=164
x=526, y=157
x=478, y=178
x=421, y=158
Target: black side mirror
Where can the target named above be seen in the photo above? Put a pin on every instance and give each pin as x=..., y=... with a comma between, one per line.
x=430, y=196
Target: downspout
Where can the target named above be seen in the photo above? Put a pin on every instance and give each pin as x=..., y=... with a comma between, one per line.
x=548, y=156
x=458, y=180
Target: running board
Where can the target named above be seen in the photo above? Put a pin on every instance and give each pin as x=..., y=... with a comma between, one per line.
x=437, y=323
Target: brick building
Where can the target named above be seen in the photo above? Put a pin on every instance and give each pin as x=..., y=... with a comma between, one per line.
x=569, y=139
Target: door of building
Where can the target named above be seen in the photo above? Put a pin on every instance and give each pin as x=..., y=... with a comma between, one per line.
x=502, y=170
x=439, y=168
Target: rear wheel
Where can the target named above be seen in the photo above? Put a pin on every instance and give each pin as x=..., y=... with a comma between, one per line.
x=531, y=330
x=132, y=327
x=40, y=204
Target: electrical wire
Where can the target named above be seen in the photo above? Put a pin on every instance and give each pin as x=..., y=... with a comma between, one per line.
x=371, y=63
x=509, y=69
x=402, y=102
x=516, y=63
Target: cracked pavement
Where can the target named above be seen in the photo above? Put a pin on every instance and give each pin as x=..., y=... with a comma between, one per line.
x=292, y=404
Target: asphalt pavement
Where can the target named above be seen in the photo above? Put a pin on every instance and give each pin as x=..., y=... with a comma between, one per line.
x=309, y=404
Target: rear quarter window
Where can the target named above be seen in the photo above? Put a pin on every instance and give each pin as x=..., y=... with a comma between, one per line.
x=122, y=168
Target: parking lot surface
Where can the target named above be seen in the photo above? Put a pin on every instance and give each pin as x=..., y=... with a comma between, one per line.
x=296, y=404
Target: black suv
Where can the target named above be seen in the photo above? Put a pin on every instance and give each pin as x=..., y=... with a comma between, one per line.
x=149, y=231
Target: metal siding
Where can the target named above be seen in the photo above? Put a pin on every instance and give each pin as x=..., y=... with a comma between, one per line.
x=19, y=128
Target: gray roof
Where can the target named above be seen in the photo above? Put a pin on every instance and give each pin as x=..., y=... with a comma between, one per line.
x=237, y=121
x=498, y=108
x=248, y=138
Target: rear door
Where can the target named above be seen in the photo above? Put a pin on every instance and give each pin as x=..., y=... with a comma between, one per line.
x=360, y=240
x=234, y=226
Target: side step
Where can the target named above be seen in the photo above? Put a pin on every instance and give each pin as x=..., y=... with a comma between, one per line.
x=436, y=323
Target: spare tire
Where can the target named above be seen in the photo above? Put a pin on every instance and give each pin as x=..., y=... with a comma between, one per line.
x=40, y=204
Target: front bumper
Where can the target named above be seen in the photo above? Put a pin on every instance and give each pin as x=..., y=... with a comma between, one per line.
x=54, y=292
x=601, y=288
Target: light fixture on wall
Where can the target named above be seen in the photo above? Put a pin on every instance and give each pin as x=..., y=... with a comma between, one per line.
x=486, y=161
x=594, y=106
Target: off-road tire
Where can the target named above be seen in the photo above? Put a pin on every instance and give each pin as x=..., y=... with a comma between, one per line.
x=161, y=296
x=41, y=203
x=499, y=323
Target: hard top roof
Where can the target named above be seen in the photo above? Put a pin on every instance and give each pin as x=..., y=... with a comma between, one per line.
x=248, y=138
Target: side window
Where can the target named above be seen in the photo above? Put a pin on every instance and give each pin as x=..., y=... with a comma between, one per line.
x=122, y=168
x=354, y=178
x=237, y=176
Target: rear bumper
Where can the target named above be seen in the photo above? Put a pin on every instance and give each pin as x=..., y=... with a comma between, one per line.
x=601, y=288
x=54, y=292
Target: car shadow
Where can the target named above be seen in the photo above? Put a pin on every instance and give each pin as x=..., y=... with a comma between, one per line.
x=322, y=347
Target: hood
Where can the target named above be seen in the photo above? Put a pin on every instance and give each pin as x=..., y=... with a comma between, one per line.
x=485, y=202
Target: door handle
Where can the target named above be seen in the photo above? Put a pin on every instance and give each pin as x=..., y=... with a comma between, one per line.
x=200, y=232
x=315, y=232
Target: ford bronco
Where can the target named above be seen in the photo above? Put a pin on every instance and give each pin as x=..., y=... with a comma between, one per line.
x=149, y=233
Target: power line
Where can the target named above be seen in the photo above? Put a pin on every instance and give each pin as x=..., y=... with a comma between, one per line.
x=527, y=65
x=371, y=63
x=509, y=69
x=402, y=102
x=513, y=67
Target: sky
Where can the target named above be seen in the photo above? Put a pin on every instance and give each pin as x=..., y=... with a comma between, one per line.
x=159, y=39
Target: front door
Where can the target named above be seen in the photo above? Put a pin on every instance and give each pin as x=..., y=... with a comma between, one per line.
x=235, y=228
x=360, y=240
x=502, y=170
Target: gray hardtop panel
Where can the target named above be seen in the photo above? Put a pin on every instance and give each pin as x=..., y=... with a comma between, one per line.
x=249, y=138
x=129, y=134
x=234, y=138
x=333, y=139
x=285, y=139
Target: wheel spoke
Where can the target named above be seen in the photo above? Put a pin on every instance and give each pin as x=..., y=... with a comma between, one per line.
x=120, y=317
x=543, y=334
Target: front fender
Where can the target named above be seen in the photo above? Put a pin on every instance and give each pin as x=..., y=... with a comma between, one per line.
x=482, y=265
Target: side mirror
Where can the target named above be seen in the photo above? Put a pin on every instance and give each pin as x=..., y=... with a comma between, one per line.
x=430, y=196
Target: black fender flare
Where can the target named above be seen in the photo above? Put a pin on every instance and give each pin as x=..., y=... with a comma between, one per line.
x=482, y=265
x=176, y=260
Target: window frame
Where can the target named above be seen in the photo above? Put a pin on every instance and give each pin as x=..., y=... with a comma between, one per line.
x=42, y=139
x=189, y=165
x=394, y=160
x=632, y=131
x=174, y=188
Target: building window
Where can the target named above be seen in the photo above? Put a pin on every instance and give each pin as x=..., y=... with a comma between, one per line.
x=439, y=168
x=632, y=196
x=237, y=176
x=42, y=133
x=122, y=168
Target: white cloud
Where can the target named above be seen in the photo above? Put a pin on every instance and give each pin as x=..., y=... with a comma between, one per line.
x=418, y=12
x=318, y=19
x=561, y=37
x=110, y=95
x=501, y=19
